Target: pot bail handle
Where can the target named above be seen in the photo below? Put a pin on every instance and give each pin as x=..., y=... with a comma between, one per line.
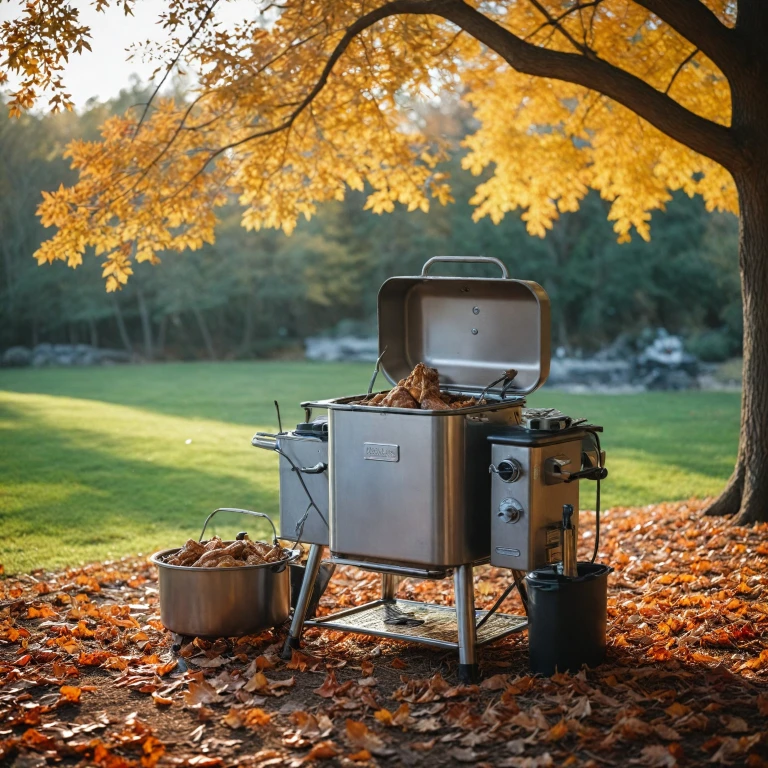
x=242, y=512
x=467, y=259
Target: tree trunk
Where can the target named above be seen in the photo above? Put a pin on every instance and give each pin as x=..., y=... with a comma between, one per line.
x=160, y=346
x=746, y=494
x=94, y=332
x=146, y=324
x=124, y=337
x=205, y=333
x=247, y=339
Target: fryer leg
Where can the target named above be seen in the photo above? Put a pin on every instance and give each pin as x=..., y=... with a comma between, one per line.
x=464, y=593
x=300, y=611
x=388, y=586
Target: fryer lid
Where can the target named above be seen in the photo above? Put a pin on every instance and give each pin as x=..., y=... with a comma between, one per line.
x=431, y=320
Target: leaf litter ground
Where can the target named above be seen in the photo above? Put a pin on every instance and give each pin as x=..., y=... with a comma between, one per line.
x=88, y=676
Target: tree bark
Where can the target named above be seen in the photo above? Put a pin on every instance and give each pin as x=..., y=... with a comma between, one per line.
x=146, y=324
x=94, y=332
x=161, y=333
x=746, y=495
x=247, y=337
x=124, y=337
x=203, y=326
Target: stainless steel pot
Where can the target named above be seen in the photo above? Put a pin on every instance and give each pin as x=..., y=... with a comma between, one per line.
x=223, y=602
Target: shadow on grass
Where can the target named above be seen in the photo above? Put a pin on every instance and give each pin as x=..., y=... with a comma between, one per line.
x=63, y=501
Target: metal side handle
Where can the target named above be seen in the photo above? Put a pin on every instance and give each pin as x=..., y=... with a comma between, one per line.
x=466, y=259
x=264, y=440
x=317, y=469
x=241, y=512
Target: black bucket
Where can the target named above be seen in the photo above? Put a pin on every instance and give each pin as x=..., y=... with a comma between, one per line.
x=567, y=618
x=321, y=583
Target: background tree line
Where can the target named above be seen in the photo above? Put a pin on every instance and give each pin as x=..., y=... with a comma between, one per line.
x=255, y=294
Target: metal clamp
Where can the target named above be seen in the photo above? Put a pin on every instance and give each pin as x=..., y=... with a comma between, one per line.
x=468, y=259
x=242, y=512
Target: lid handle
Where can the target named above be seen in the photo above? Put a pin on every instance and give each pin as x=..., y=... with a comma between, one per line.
x=470, y=259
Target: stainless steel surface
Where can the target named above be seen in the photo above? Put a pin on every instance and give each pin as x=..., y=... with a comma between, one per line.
x=310, y=454
x=388, y=586
x=464, y=593
x=264, y=441
x=470, y=329
x=525, y=512
x=402, y=571
x=426, y=506
x=465, y=260
x=439, y=628
x=222, y=602
x=300, y=610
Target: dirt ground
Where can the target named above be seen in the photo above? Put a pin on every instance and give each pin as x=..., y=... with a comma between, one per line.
x=88, y=675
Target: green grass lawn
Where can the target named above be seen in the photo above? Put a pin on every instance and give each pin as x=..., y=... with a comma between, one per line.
x=101, y=462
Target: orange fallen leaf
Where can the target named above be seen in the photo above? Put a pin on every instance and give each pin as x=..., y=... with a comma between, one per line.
x=325, y=750
x=676, y=709
x=233, y=718
x=200, y=693
x=398, y=664
x=163, y=669
x=152, y=750
x=71, y=693
x=329, y=687
x=423, y=746
x=115, y=662
x=255, y=717
x=161, y=701
x=303, y=661
x=44, y=611
x=359, y=735
x=557, y=731
x=384, y=716
x=494, y=683
x=257, y=683
x=363, y=756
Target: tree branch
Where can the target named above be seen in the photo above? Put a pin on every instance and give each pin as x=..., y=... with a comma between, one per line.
x=679, y=69
x=696, y=23
x=557, y=19
x=393, y=8
x=555, y=23
x=704, y=136
x=173, y=63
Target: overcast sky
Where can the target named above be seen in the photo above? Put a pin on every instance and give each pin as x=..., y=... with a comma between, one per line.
x=104, y=71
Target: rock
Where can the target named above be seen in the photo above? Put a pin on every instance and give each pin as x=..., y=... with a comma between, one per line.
x=341, y=349
x=108, y=356
x=63, y=355
x=16, y=357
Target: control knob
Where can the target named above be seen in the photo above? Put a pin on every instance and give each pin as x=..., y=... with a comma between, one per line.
x=510, y=510
x=509, y=470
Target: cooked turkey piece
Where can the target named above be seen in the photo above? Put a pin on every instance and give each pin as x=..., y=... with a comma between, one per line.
x=216, y=554
x=420, y=389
